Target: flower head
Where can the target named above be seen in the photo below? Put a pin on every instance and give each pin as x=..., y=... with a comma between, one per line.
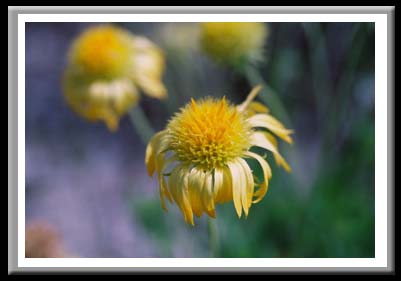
x=202, y=157
x=106, y=67
x=233, y=43
x=42, y=241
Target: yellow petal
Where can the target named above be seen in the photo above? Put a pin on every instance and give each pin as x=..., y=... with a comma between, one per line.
x=207, y=195
x=249, y=187
x=239, y=182
x=178, y=185
x=261, y=139
x=273, y=141
x=151, y=150
x=111, y=121
x=218, y=184
x=227, y=186
x=162, y=192
x=196, y=182
x=249, y=99
x=148, y=68
x=269, y=122
x=256, y=107
x=263, y=187
x=162, y=162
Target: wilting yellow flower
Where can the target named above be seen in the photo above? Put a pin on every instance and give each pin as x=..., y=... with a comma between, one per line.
x=233, y=42
x=106, y=67
x=201, y=157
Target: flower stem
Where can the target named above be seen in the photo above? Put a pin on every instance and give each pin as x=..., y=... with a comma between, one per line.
x=213, y=237
x=141, y=124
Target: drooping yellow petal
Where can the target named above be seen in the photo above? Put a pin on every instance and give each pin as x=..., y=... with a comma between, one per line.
x=162, y=162
x=162, y=191
x=223, y=189
x=151, y=151
x=239, y=185
x=178, y=185
x=267, y=173
x=262, y=140
x=273, y=141
x=148, y=68
x=207, y=195
x=227, y=186
x=218, y=184
x=269, y=122
x=247, y=190
x=196, y=182
x=110, y=119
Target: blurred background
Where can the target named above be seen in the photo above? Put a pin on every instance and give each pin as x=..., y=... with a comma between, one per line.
x=89, y=187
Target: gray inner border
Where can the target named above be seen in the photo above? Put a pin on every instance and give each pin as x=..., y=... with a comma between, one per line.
x=13, y=12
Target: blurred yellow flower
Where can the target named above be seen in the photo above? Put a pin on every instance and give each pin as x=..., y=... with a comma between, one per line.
x=202, y=152
x=106, y=67
x=234, y=43
x=180, y=37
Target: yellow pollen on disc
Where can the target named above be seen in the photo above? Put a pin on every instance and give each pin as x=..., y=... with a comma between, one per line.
x=209, y=133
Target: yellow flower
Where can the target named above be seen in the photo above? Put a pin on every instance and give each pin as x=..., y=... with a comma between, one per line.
x=180, y=37
x=233, y=43
x=201, y=157
x=106, y=67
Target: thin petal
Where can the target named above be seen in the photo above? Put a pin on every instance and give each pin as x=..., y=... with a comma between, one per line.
x=148, y=68
x=261, y=139
x=218, y=184
x=263, y=187
x=222, y=189
x=178, y=185
x=273, y=141
x=249, y=187
x=162, y=192
x=269, y=122
x=227, y=186
x=258, y=107
x=238, y=182
x=162, y=181
x=151, y=151
x=196, y=182
x=207, y=195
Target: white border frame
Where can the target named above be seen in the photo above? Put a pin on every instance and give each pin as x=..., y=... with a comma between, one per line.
x=380, y=259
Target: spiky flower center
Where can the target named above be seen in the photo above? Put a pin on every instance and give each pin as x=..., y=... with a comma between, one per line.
x=209, y=133
x=102, y=51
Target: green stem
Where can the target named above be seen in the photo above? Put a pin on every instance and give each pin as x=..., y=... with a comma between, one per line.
x=213, y=237
x=141, y=124
x=267, y=94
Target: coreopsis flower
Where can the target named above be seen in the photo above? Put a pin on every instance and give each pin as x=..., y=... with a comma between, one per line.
x=43, y=241
x=202, y=157
x=106, y=68
x=234, y=43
